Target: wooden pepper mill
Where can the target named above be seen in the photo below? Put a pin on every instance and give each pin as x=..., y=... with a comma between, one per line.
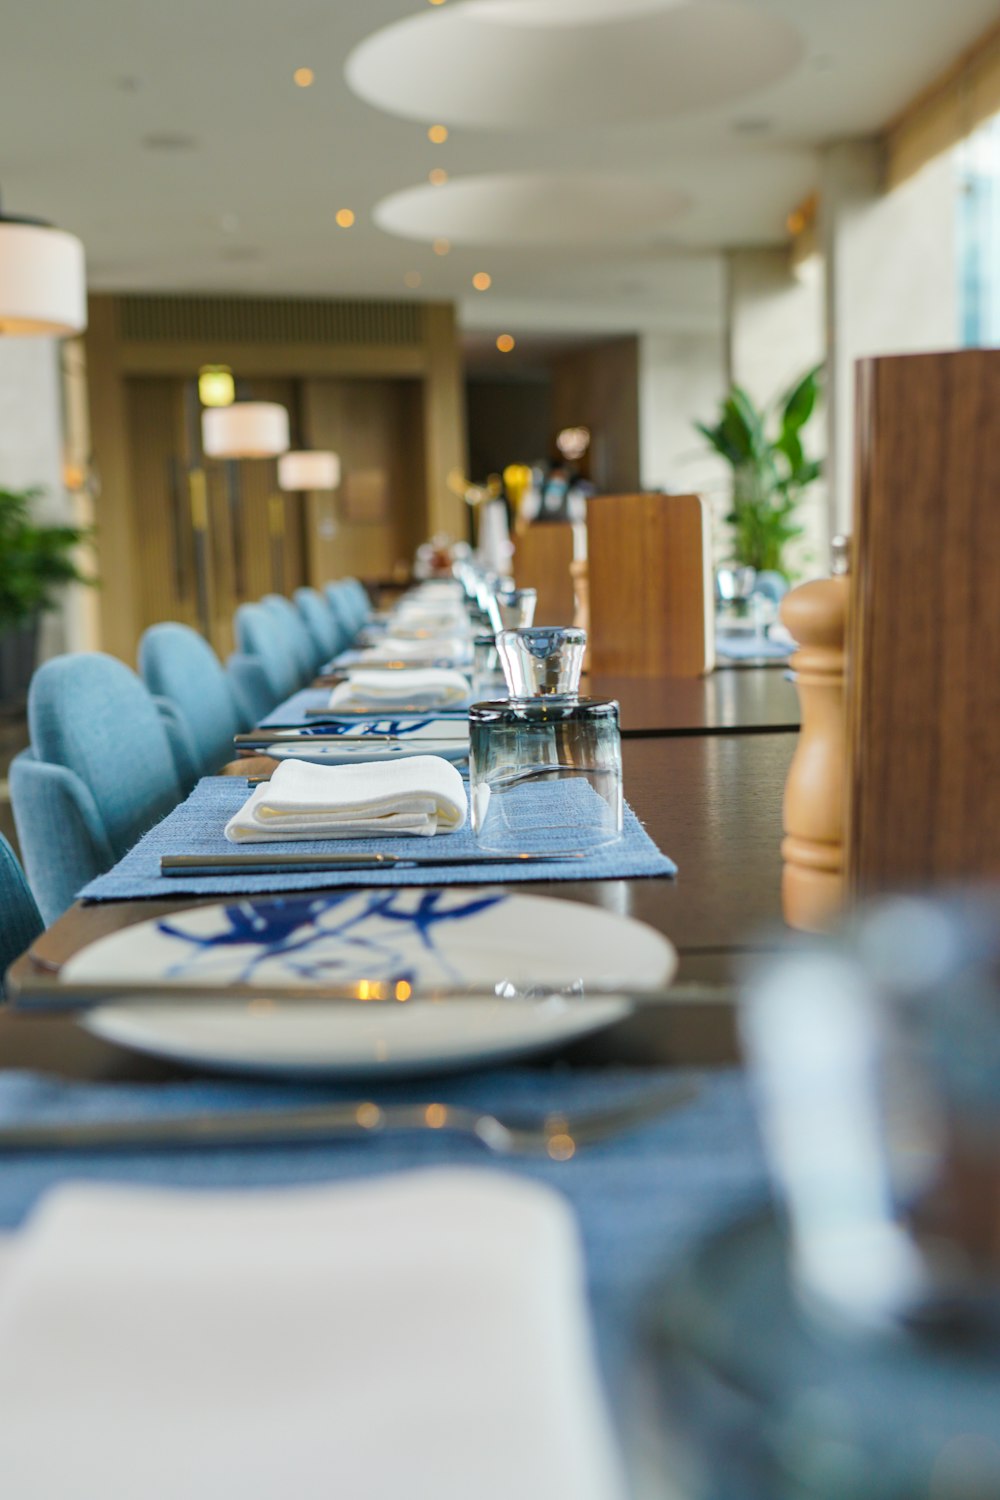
x=812, y=886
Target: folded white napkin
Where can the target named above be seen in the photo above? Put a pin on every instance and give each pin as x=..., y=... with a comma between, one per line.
x=436, y=648
x=416, y=687
x=423, y=1335
x=416, y=795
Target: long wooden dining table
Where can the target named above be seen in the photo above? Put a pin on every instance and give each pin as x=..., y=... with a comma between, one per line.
x=711, y=799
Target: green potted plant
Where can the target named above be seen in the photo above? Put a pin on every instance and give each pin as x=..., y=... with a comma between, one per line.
x=770, y=468
x=35, y=562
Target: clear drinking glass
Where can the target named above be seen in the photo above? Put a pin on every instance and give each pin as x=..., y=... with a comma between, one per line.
x=544, y=764
x=488, y=680
x=512, y=609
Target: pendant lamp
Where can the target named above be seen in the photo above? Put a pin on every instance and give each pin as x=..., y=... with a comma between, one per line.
x=309, y=470
x=247, y=429
x=43, y=281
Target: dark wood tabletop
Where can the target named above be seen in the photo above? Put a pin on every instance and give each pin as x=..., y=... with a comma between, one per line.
x=755, y=701
x=712, y=802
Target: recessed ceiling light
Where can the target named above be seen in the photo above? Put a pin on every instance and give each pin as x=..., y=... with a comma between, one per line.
x=303, y=77
x=437, y=134
x=168, y=140
x=435, y=2
x=412, y=278
x=437, y=177
x=441, y=247
x=505, y=343
x=482, y=281
x=345, y=217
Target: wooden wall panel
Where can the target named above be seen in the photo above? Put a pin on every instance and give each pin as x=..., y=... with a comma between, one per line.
x=163, y=556
x=924, y=645
x=375, y=427
x=598, y=387
x=542, y=557
x=651, y=605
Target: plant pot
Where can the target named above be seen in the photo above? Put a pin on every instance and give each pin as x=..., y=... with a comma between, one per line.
x=18, y=650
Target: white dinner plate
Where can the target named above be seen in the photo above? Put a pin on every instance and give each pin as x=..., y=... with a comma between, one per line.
x=428, y=938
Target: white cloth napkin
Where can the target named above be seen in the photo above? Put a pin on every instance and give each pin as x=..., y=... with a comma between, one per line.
x=418, y=795
x=434, y=648
x=422, y=1336
x=410, y=687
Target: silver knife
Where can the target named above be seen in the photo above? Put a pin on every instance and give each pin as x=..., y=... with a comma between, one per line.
x=306, y=862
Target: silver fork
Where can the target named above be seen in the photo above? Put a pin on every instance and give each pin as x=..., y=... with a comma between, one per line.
x=557, y=1136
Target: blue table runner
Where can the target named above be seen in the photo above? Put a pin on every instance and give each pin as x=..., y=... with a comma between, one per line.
x=196, y=827
x=640, y=1201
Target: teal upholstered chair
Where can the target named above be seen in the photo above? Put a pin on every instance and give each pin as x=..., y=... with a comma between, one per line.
x=260, y=636
x=179, y=665
x=100, y=772
x=772, y=585
x=359, y=602
x=250, y=688
x=295, y=632
x=20, y=919
x=349, y=606
x=328, y=635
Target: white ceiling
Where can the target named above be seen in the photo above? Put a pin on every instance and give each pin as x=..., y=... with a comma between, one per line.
x=170, y=136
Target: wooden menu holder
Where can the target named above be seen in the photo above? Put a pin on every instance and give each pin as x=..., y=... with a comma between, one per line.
x=652, y=609
x=923, y=679
x=542, y=559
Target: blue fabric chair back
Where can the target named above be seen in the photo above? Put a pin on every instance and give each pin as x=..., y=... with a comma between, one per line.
x=300, y=642
x=178, y=664
x=20, y=919
x=320, y=622
x=772, y=585
x=259, y=634
x=345, y=609
x=90, y=714
x=250, y=688
x=358, y=600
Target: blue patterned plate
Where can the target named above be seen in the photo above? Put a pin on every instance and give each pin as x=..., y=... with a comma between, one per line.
x=427, y=938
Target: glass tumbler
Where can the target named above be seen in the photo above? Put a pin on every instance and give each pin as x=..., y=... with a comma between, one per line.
x=512, y=609
x=545, y=765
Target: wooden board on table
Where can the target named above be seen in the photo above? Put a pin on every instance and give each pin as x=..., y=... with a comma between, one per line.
x=651, y=603
x=924, y=642
x=542, y=557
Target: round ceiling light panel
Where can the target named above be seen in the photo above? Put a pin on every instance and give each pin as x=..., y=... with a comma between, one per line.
x=509, y=64
x=533, y=209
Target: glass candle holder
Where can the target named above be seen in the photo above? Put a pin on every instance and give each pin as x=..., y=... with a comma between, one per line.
x=544, y=763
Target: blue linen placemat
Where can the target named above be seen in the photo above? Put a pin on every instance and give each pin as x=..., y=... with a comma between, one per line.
x=750, y=647
x=640, y=1201
x=291, y=714
x=196, y=827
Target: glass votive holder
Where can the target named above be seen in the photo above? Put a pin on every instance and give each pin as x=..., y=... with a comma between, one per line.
x=544, y=763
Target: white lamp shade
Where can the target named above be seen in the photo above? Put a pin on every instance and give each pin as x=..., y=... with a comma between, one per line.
x=313, y=470
x=43, y=280
x=247, y=429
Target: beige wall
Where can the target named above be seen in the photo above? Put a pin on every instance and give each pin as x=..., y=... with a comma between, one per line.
x=891, y=280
